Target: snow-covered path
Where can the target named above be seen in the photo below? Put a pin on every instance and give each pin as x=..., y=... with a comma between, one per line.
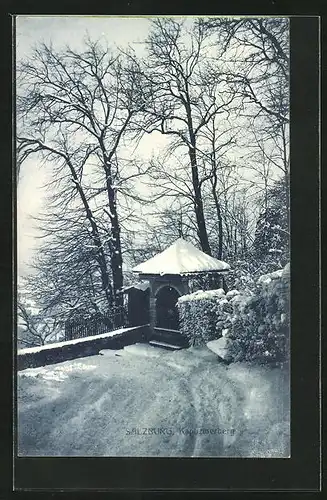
x=151, y=402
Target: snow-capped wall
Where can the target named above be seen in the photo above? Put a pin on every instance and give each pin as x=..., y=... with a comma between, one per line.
x=77, y=348
x=202, y=295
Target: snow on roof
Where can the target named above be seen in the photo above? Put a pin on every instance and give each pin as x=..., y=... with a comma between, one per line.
x=143, y=286
x=181, y=258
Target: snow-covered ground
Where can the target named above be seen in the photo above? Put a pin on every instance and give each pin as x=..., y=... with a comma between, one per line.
x=145, y=401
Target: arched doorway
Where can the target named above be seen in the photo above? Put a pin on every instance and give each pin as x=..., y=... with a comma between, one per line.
x=166, y=308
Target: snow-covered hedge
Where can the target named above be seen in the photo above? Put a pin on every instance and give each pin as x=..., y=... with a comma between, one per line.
x=255, y=324
x=205, y=315
x=260, y=325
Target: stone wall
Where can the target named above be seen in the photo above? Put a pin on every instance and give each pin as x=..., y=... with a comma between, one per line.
x=88, y=346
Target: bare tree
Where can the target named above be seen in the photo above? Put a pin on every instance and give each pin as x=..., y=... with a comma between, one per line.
x=256, y=55
x=66, y=279
x=185, y=97
x=257, y=50
x=219, y=138
x=74, y=112
x=34, y=327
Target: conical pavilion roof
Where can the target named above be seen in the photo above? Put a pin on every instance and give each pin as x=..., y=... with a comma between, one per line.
x=181, y=258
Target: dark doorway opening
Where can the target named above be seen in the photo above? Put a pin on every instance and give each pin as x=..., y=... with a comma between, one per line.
x=138, y=307
x=166, y=308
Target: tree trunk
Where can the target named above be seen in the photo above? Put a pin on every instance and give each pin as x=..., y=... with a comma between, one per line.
x=198, y=205
x=198, y=202
x=235, y=242
x=287, y=192
x=115, y=250
x=219, y=216
x=100, y=257
x=222, y=283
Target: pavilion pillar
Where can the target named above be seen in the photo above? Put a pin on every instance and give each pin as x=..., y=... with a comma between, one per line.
x=152, y=305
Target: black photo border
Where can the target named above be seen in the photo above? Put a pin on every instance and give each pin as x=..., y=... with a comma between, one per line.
x=301, y=472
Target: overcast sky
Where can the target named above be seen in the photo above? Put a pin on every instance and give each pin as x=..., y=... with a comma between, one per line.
x=71, y=30
x=61, y=31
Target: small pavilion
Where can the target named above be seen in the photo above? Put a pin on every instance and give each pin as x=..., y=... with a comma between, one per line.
x=165, y=277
